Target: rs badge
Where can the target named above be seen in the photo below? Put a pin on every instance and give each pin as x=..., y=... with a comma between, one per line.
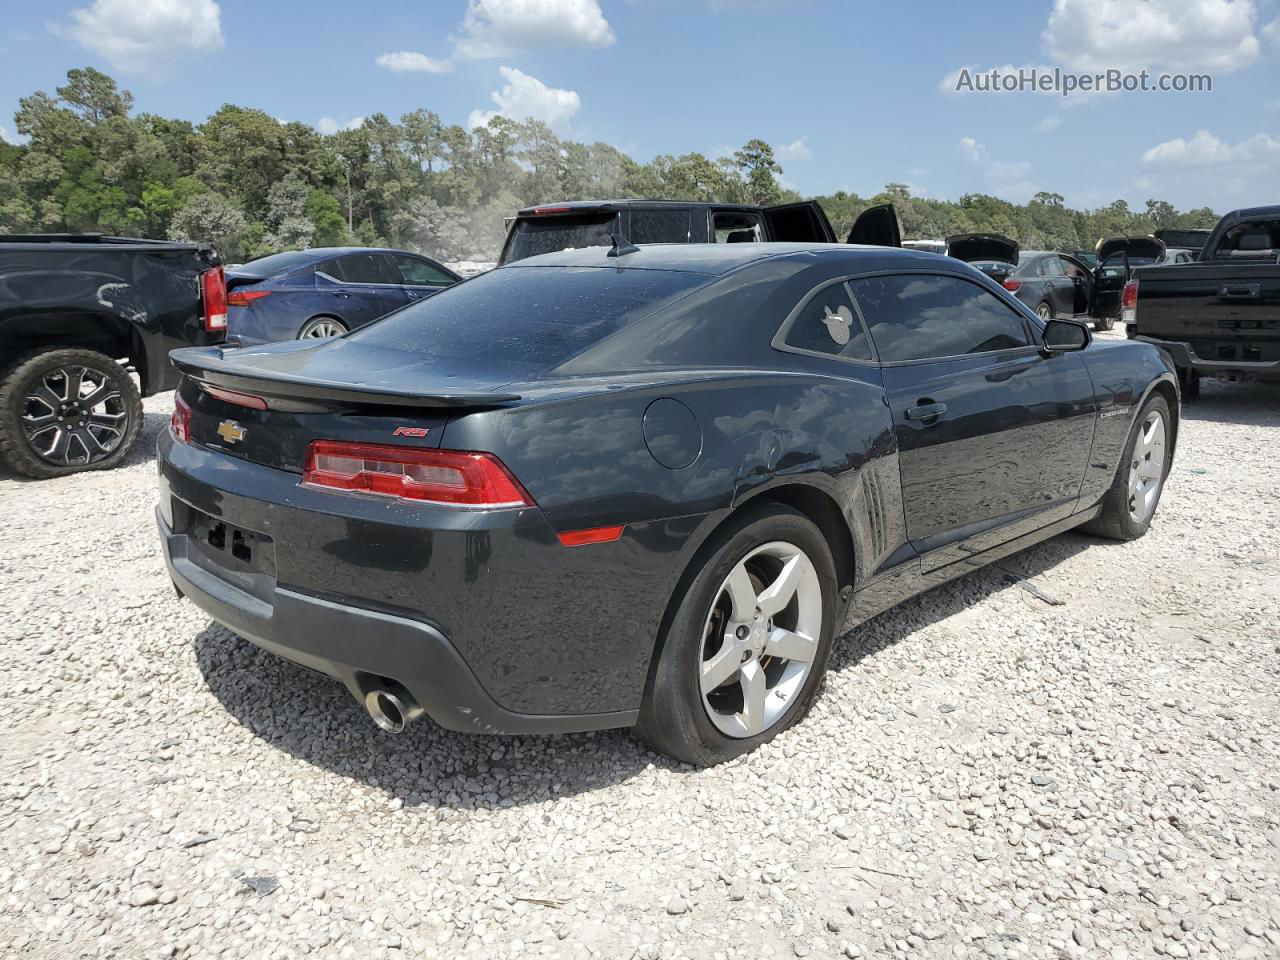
x=230, y=431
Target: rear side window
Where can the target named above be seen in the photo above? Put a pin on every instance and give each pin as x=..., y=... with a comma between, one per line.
x=363, y=268
x=531, y=236
x=1051, y=267
x=737, y=227
x=276, y=264
x=420, y=273
x=659, y=225
x=923, y=316
x=829, y=324
x=526, y=319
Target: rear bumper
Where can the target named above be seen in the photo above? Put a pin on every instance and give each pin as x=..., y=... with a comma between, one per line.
x=1185, y=358
x=361, y=647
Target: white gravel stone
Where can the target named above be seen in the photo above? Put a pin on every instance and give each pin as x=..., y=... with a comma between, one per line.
x=1116, y=757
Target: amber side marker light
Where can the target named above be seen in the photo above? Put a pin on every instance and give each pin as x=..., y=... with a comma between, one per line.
x=580, y=538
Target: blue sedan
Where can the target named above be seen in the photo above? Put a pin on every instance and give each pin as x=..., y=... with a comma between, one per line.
x=325, y=292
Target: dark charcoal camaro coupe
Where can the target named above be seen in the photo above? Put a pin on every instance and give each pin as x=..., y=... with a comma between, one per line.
x=644, y=487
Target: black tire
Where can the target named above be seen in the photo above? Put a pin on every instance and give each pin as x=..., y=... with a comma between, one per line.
x=1115, y=521
x=308, y=328
x=23, y=455
x=1104, y=323
x=673, y=719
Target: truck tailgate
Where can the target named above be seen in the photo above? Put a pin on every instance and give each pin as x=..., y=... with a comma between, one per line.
x=1224, y=311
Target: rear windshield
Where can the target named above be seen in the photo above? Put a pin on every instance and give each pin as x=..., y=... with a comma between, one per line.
x=1251, y=240
x=276, y=264
x=534, y=235
x=527, y=319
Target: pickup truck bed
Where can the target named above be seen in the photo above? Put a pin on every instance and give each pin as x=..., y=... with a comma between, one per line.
x=77, y=313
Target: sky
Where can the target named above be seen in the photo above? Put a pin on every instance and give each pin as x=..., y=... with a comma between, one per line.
x=851, y=94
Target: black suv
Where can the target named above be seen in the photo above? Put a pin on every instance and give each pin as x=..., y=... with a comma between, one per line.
x=595, y=223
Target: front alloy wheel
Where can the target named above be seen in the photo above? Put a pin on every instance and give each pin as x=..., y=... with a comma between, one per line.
x=1146, y=468
x=761, y=639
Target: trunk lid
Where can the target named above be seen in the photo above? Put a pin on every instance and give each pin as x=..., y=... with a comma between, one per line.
x=971, y=247
x=267, y=405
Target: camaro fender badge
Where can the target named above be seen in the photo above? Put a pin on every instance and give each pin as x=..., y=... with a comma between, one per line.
x=839, y=323
x=410, y=432
x=230, y=431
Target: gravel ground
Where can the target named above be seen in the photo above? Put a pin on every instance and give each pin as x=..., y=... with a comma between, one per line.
x=986, y=774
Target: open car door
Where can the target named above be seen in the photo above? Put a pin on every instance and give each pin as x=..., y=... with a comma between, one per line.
x=877, y=226
x=799, y=222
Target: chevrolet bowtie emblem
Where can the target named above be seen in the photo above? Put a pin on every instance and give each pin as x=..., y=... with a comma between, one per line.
x=230, y=431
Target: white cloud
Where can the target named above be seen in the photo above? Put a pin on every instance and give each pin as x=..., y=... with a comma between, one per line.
x=1089, y=35
x=8, y=136
x=795, y=150
x=528, y=98
x=1206, y=170
x=971, y=149
x=328, y=125
x=410, y=61
x=500, y=28
x=140, y=36
x=1048, y=124
x=1272, y=31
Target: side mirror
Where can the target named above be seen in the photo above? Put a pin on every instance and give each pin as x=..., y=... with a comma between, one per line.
x=1065, y=336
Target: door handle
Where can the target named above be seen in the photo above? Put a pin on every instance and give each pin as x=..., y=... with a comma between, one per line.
x=339, y=293
x=1240, y=291
x=926, y=410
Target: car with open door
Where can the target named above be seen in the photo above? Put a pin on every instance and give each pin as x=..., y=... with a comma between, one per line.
x=550, y=228
x=1118, y=259
x=644, y=486
x=1054, y=285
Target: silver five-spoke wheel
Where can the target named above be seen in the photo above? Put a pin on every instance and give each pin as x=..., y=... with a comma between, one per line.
x=74, y=416
x=760, y=639
x=1146, y=470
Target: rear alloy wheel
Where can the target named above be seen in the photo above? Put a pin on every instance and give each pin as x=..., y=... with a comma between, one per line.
x=747, y=646
x=1044, y=312
x=321, y=328
x=67, y=410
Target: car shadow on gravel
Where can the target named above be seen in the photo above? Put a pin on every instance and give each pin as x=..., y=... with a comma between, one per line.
x=316, y=720
x=143, y=450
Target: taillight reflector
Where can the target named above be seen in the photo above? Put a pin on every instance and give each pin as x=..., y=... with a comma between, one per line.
x=1012, y=285
x=213, y=290
x=180, y=420
x=580, y=538
x=456, y=477
x=243, y=298
x=231, y=396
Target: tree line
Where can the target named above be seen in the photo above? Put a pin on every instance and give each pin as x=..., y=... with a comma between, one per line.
x=252, y=185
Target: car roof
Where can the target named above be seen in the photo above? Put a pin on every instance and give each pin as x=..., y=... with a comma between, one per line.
x=321, y=252
x=715, y=259
x=604, y=205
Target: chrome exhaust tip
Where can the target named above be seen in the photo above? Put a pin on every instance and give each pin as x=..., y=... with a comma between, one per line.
x=392, y=710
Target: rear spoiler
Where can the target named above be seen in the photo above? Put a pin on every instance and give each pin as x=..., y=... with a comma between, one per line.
x=216, y=366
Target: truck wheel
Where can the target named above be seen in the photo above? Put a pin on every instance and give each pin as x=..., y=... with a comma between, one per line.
x=1104, y=323
x=745, y=652
x=65, y=410
x=1131, y=502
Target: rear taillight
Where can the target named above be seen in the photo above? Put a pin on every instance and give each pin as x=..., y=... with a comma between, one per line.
x=213, y=291
x=455, y=477
x=1012, y=285
x=1129, y=303
x=180, y=420
x=244, y=298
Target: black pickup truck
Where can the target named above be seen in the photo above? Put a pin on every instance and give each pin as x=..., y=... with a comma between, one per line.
x=1218, y=316
x=593, y=223
x=80, y=313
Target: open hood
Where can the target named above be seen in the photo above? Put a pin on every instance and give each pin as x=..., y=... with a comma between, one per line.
x=877, y=226
x=972, y=247
x=1147, y=247
x=1192, y=238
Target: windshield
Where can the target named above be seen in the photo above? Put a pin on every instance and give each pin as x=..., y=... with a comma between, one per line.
x=527, y=319
x=535, y=235
x=277, y=263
